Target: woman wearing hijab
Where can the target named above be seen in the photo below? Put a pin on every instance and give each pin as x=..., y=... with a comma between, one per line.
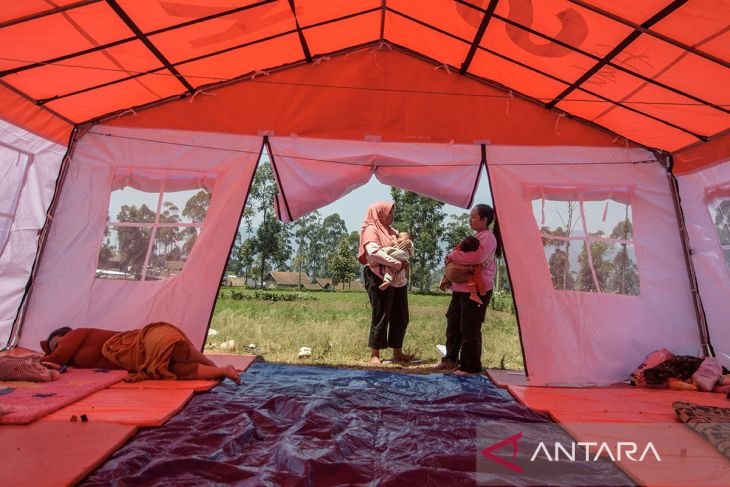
x=390, y=305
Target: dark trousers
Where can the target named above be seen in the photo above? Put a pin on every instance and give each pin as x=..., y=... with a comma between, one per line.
x=390, y=312
x=464, y=320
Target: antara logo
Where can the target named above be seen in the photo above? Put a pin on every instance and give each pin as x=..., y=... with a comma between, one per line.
x=573, y=451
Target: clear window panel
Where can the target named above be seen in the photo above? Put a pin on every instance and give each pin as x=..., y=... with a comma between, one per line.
x=619, y=272
x=561, y=218
x=123, y=252
x=720, y=212
x=170, y=251
x=617, y=222
x=132, y=205
x=562, y=257
x=185, y=206
x=727, y=258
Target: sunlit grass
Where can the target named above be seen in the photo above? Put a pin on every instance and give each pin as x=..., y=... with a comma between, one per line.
x=335, y=326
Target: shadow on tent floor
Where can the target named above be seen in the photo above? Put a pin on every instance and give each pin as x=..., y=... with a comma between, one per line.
x=293, y=425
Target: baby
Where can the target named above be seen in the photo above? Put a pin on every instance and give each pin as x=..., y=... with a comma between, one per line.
x=472, y=275
x=402, y=251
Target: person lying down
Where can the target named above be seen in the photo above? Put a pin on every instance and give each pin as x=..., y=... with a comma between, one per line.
x=157, y=351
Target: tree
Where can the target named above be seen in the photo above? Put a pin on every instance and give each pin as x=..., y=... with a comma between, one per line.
x=423, y=218
x=601, y=267
x=722, y=224
x=325, y=238
x=624, y=278
x=134, y=241
x=197, y=206
x=304, y=228
x=456, y=230
x=342, y=264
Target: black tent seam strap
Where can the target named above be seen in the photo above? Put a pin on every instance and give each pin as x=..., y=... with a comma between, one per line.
x=621, y=46
x=145, y=40
x=478, y=36
x=279, y=182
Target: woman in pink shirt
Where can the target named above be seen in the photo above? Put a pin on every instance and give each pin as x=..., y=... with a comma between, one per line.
x=390, y=305
x=465, y=316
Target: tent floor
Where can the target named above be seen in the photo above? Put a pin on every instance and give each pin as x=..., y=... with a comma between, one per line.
x=292, y=425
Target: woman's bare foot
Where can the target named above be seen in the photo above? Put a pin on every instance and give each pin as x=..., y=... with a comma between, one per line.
x=231, y=373
x=403, y=358
x=375, y=361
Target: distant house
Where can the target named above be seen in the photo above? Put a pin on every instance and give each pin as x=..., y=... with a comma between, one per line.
x=351, y=286
x=290, y=280
x=324, y=283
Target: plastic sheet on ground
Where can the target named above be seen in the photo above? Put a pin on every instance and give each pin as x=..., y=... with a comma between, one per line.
x=294, y=425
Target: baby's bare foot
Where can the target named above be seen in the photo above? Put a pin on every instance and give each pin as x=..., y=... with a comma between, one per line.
x=233, y=374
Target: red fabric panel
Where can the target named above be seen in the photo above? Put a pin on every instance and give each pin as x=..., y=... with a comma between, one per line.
x=564, y=21
x=93, y=69
x=631, y=10
x=549, y=57
x=22, y=113
x=511, y=74
x=151, y=16
x=624, y=122
x=702, y=155
x=677, y=68
x=314, y=11
x=342, y=34
x=451, y=17
x=706, y=17
x=424, y=40
x=419, y=104
x=59, y=34
x=14, y=10
x=241, y=61
x=225, y=32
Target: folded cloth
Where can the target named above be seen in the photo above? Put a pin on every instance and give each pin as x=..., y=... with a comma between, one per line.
x=678, y=367
x=26, y=369
x=711, y=422
x=708, y=374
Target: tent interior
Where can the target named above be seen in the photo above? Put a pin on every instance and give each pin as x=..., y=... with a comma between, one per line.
x=613, y=115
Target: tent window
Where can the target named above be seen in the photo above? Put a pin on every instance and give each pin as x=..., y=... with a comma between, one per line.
x=720, y=212
x=588, y=244
x=149, y=235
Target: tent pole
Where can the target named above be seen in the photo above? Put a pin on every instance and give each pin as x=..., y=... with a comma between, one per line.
x=500, y=245
x=17, y=326
x=707, y=349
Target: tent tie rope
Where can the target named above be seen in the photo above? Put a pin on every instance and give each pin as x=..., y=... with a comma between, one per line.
x=260, y=72
x=444, y=67
x=200, y=91
x=557, y=121
x=319, y=60
x=127, y=111
x=509, y=97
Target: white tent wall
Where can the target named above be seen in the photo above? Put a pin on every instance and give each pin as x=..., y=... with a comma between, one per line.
x=592, y=338
x=29, y=166
x=316, y=172
x=66, y=290
x=700, y=191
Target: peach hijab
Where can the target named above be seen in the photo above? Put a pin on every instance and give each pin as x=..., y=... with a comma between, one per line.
x=374, y=230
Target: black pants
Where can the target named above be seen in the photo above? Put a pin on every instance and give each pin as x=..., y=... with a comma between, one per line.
x=390, y=312
x=464, y=320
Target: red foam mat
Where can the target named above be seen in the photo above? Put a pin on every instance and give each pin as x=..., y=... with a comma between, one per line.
x=56, y=453
x=138, y=407
x=643, y=415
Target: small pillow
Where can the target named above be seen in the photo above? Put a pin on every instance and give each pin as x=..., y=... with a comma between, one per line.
x=707, y=375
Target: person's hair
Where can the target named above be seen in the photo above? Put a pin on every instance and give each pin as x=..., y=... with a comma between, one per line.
x=469, y=244
x=58, y=333
x=485, y=211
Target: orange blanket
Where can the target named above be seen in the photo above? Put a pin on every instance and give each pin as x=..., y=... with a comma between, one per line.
x=157, y=351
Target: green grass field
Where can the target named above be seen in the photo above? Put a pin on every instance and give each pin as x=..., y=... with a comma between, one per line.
x=335, y=326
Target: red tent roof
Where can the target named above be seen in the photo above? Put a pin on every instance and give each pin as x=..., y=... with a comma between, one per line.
x=654, y=71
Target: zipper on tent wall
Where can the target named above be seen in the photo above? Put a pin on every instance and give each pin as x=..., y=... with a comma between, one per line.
x=17, y=327
x=233, y=243
x=705, y=343
x=500, y=246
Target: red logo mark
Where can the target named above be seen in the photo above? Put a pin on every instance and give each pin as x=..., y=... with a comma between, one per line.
x=487, y=452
